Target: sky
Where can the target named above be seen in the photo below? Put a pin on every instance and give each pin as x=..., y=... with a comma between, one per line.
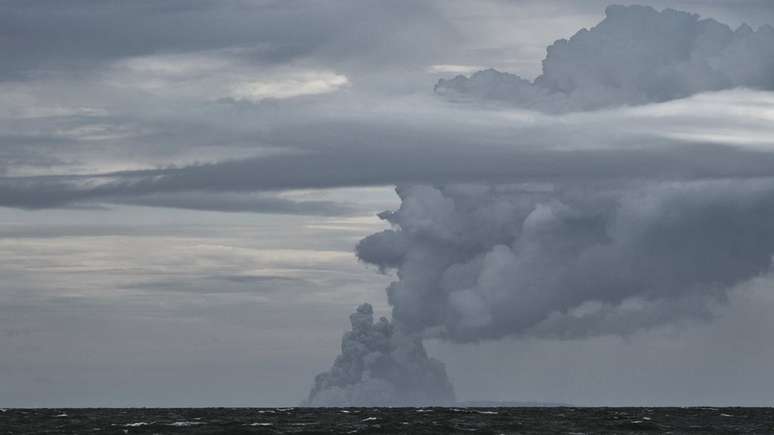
x=190, y=197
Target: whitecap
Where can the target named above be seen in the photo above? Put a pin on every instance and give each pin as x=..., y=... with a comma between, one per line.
x=185, y=423
x=138, y=424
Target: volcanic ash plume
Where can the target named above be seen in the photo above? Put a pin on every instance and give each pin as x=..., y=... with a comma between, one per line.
x=379, y=365
x=478, y=262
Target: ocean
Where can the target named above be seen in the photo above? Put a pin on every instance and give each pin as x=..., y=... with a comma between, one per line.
x=559, y=420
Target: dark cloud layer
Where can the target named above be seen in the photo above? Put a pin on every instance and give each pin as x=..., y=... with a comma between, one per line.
x=236, y=203
x=358, y=167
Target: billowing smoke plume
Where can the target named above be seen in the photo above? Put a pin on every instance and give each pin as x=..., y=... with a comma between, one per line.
x=554, y=259
x=636, y=55
x=480, y=262
x=380, y=365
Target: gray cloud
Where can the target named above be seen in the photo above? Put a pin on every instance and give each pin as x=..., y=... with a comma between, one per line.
x=49, y=35
x=478, y=261
x=369, y=166
x=45, y=37
x=636, y=55
x=330, y=141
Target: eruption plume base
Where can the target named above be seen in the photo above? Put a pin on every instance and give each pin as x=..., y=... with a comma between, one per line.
x=379, y=365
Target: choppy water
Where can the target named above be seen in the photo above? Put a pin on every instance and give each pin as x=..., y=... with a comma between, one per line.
x=386, y=420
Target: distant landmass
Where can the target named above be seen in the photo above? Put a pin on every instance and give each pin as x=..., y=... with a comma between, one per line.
x=507, y=404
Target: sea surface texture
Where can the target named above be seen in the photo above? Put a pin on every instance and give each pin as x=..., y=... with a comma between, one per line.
x=559, y=420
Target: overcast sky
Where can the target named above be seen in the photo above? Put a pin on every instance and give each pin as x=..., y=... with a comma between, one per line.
x=183, y=185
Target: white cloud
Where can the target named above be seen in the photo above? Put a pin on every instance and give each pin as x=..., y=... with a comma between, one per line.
x=214, y=75
x=453, y=69
x=305, y=83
